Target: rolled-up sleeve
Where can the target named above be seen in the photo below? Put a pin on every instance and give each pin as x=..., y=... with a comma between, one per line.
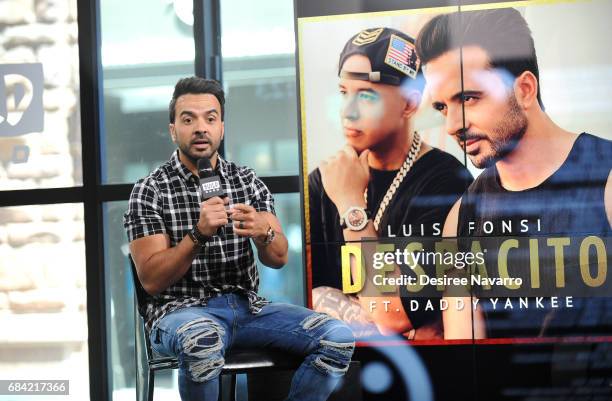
x=144, y=215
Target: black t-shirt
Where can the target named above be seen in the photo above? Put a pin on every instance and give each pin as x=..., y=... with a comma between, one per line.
x=419, y=208
x=568, y=203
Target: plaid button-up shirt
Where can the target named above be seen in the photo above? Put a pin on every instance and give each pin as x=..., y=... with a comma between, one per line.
x=167, y=201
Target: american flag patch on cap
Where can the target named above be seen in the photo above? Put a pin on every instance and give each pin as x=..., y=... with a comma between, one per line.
x=401, y=55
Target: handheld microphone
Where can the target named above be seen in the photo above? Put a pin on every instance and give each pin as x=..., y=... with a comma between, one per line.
x=210, y=184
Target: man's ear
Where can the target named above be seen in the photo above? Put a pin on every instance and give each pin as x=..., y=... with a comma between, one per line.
x=172, y=131
x=526, y=90
x=222, y=129
x=413, y=101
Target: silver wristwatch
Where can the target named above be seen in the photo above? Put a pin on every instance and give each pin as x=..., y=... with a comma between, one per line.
x=270, y=235
x=355, y=218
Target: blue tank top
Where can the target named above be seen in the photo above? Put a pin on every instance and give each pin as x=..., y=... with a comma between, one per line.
x=569, y=202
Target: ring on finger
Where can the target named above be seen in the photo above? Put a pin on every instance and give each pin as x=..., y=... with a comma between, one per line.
x=241, y=225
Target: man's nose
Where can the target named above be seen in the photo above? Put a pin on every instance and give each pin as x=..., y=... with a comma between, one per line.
x=455, y=124
x=201, y=127
x=350, y=110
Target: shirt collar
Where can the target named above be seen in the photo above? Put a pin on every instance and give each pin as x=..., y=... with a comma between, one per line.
x=222, y=167
x=184, y=172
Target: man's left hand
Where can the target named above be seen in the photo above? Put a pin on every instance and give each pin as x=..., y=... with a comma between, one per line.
x=345, y=176
x=248, y=222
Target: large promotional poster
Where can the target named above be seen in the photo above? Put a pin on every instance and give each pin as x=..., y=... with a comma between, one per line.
x=457, y=191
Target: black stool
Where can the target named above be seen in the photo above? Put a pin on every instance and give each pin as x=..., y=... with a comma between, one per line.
x=236, y=361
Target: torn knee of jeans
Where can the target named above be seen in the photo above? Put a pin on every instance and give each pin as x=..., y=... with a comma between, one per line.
x=330, y=366
x=334, y=357
x=315, y=320
x=202, y=371
x=202, y=345
x=345, y=348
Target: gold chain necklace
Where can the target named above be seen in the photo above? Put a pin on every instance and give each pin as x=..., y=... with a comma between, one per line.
x=399, y=177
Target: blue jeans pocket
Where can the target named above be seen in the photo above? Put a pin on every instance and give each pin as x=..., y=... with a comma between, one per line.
x=155, y=337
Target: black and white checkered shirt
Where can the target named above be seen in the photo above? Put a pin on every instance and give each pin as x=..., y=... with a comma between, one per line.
x=167, y=201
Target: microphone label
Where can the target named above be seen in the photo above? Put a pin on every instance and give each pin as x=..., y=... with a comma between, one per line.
x=211, y=186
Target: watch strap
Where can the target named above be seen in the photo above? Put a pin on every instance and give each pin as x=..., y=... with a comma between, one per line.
x=197, y=237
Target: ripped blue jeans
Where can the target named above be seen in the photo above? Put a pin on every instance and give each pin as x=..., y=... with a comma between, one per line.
x=200, y=337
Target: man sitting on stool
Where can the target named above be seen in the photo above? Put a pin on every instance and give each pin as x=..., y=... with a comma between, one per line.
x=201, y=270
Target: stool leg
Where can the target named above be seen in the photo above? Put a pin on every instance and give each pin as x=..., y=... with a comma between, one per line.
x=140, y=389
x=144, y=379
x=233, y=388
x=144, y=385
x=227, y=387
x=144, y=375
x=151, y=385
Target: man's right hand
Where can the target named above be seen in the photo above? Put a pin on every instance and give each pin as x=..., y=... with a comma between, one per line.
x=212, y=215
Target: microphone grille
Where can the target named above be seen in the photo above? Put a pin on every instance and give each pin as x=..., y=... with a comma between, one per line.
x=204, y=167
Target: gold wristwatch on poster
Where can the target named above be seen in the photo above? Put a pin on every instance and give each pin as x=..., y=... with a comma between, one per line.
x=355, y=218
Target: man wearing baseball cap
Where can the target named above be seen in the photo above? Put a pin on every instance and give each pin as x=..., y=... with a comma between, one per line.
x=384, y=182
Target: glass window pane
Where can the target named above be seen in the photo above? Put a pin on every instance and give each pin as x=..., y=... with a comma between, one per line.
x=261, y=117
x=286, y=284
x=40, y=133
x=121, y=313
x=146, y=47
x=574, y=99
x=43, y=310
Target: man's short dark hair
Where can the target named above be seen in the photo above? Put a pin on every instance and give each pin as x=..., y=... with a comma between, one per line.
x=502, y=33
x=196, y=85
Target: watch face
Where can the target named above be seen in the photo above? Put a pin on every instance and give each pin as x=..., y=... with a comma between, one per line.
x=355, y=218
x=269, y=236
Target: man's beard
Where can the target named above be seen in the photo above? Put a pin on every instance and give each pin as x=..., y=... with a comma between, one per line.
x=186, y=150
x=506, y=135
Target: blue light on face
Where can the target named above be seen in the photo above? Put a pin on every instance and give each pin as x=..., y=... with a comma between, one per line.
x=362, y=104
x=369, y=97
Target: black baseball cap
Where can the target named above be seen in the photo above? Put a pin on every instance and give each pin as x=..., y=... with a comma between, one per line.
x=392, y=55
